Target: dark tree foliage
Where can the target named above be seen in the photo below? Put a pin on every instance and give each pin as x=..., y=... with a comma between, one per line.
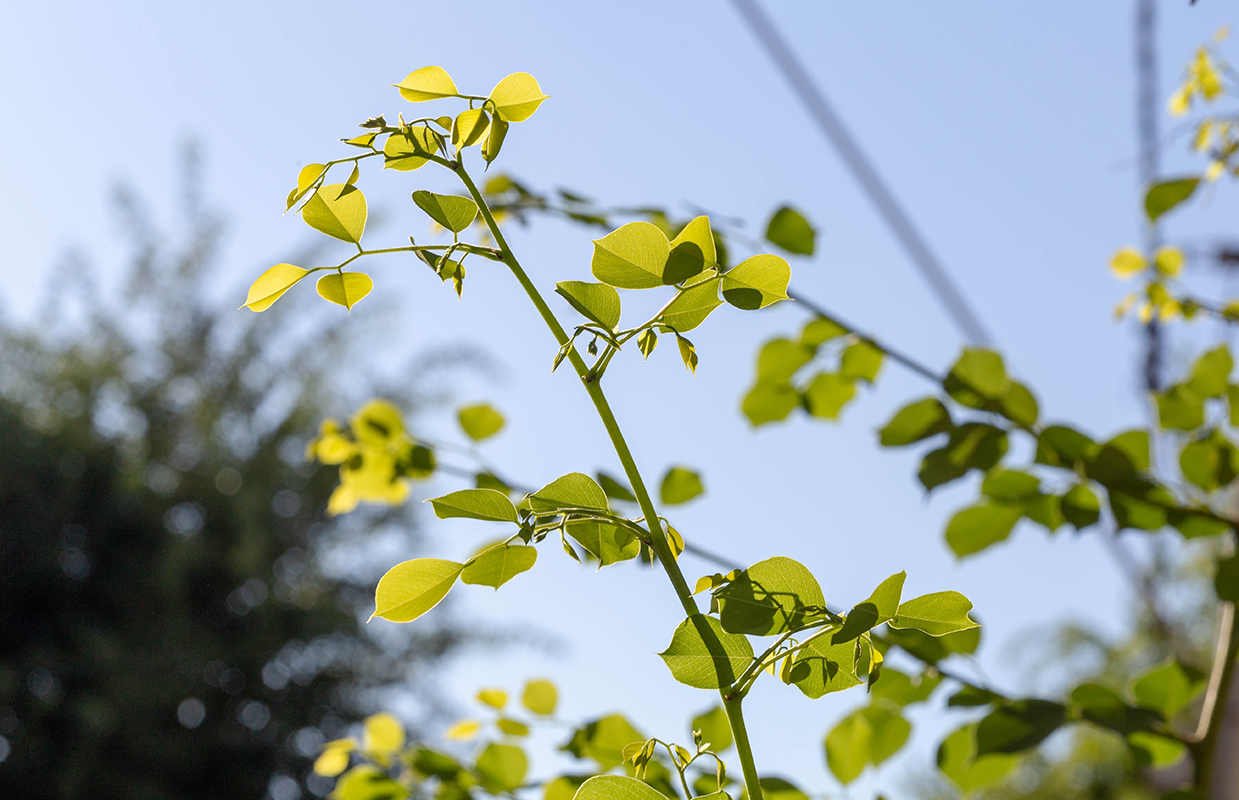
x=166, y=628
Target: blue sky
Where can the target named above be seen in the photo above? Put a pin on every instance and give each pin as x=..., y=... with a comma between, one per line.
x=1006, y=129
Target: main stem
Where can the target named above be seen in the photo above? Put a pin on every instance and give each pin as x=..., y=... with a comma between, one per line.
x=658, y=541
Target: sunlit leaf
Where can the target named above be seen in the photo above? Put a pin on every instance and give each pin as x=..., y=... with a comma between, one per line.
x=757, y=282
x=936, y=614
x=498, y=565
x=345, y=289
x=540, y=697
x=1164, y=196
x=410, y=150
x=469, y=127
x=631, y=257
x=574, y=490
x=451, y=211
x=495, y=135
x=517, y=96
x=714, y=727
x=916, y=421
x=791, y=231
x=974, y=529
x=828, y=393
x=485, y=504
x=271, y=285
x=383, y=734
x=595, y=301
x=616, y=787
x=412, y=588
x=690, y=307
x=680, y=485
x=480, y=421
x=337, y=210
x=958, y=761
x=771, y=597
x=502, y=766
x=427, y=83
x=703, y=655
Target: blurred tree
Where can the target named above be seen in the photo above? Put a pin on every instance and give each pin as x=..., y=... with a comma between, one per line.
x=166, y=627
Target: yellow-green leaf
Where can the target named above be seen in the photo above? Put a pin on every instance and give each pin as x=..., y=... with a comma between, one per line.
x=469, y=128
x=271, y=285
x=464, y=730
x=705, y=656
x=698, y=232
x=486, y=504
x=383, y=734
x=936, y=614
x=690, y=307
x=540, y=697
x=334, y=758
x=1127, y=262
x=757, y=282
x=680, y=485
x=337, y=210
x=497, y=132
x=631, y=257
x=427, y=83
x=345, y=289
x=596, y=301
x=497, y=566
x=574, y=490
x=412, y=588
x=451, y=211
x=408, y=151
x=790, y=230
x=495, y=698
x=517, y=96
x=1169, y=260
x=480, y=421
x=502, y=767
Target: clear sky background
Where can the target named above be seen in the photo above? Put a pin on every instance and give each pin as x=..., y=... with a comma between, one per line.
x=1007, y=129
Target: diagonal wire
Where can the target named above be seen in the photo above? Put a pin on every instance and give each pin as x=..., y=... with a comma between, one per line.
x=892, y=213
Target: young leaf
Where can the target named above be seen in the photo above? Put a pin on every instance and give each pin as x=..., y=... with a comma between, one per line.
x=337, y=210
x=704, y=656
x=498, y=565
x=451, y=211
x=647, y=340
x=680, y=485
x=574, y=490
x=714, y=728
x=597, y=302
x=485, y=504
x=427, y=83
x=271, y=286
x=540, y=697
x=631, y=257
x=469, y=128
x=936, y=614
x=690, y=307
x=1127, y=262
x=791, y=231
x=688, y=353
x=1164, y=196
x=771, y=597
x=496, y=133
x=502, y=767
x=412, y=588
x=345, y=289
x=616, y=787
x=383, y=734
x=517, y=96
x=409, y=151
x=914, y=422
x=881, y=606
x=757, y=282
x=480, y=421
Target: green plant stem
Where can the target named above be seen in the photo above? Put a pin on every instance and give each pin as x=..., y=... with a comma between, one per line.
x=658, y=540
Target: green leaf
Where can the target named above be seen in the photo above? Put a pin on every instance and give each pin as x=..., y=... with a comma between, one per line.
x=1018, y=725
x=820, y=668
x=597, y=302
x=574, y=490
x=769, y=401
x=271, y=286
x=604, y=740
x=890, y=733
x=495, y=134
x=485, y=504
x=769, y=598
x=469, y=127
x=936, y=614
x=714, y=727
x=688, y=353
x=779, y=359
x=366, y=782
x=1060, y=446
x=540, y=697
x=480, y=421
x=412, y=588
x=791, y=231
x=517, y=96
x=819, y=330
x=1166, y=688
x=631, y=257
x=1159, y=751
x=511, y=727
x=1019, y=405
x=698, y=232
x=337, y=210
x=972, y=445
x=1080, y=506
x=616, y=787
x=977, y=379
x=614, y=489
x=565, y=787
x=427, y=83
x=498, y=565
x=690, y=307
x=757, y=282
x=1226, y=579
x=680, y=485
x=1211, y=462
x=974, y=529
x=881, y=606
x=1010, y=485
x=1102, y=706
x=778, y=789
x=848, y=747
x=827, y=394
x=451, y=211
x=344, y=289
x=704, y=656
x=408, y=151
x=647, y=340
x=1180, y=409
x=916, y=421
x=610, y=544
x=1211, y=372
x=861, y=360
x=502, y=767
x=958, y=761
x=686, y=260
x=495, y=698
x=1164, y=196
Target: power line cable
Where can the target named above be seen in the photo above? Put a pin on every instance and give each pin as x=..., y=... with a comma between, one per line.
x=892, y=213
